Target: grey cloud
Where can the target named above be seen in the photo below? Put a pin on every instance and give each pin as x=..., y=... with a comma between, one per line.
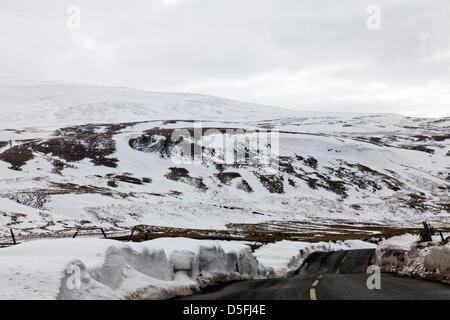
x=299, y=54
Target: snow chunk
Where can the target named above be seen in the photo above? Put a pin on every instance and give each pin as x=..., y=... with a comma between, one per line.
x=439, y=259
x=406, y=256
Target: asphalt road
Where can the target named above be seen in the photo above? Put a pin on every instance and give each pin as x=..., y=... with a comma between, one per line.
x=337, y=275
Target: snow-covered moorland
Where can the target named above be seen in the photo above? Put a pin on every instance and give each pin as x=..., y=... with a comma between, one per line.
x=78, y=157
x=157, y=269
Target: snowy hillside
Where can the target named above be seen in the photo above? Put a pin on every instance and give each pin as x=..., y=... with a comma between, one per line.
x=31, y=103
x=81, y=157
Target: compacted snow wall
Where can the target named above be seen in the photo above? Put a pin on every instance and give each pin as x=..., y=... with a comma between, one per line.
x=107, y=269
x=151, y=274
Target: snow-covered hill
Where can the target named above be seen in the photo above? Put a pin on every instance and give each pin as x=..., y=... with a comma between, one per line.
x=32, y=103
x=77, y=157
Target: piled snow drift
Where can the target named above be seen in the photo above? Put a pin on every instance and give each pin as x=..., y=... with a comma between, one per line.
x=107, y=269
x=406, y=256
x=439, y=259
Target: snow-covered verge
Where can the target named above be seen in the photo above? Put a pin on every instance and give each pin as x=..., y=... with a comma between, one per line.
x=406, y=256
x=286, y=257
x=108, y=269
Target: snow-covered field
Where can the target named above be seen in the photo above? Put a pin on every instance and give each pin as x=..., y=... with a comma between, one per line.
x=156, y=269
x=78, y=157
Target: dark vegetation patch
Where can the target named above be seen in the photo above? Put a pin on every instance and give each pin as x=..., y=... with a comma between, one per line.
x=285, y=164
x=3, y=144
x=17, y=156
x=93, y=129
x=227, y=177
x=292, y=183
x=176, y=174
x=317, y=180
x=243, y=185
x=421, y=138
x=312, y=183
x=16, y=131
x=362, y=180
x=182, y=175
x=338, y=179
x=444, y=206
x=421, y=148
x=71, y=144
x=128, y=179
x=314, y=180
x=76, y=148
x=310, y=161
x=59, y=166
x=34, y=200
x=72, y=188
x=157, y=142
x=112, y=184
x=417, y=201
x=13, y=217
x=273, y=183
x=125, y=178
x=375, y=139
x=441, y=137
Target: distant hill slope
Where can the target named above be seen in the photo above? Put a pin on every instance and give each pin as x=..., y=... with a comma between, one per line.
x=33, y=103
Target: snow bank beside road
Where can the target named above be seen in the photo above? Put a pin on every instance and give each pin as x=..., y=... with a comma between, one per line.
x=107, y=269
x=87, y=268
x=406, y=256
x=285, y=257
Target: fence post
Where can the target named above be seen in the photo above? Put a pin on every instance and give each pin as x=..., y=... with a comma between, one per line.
x=13, y=237
x=132, y=232
x=76, y=233
x=104, y=234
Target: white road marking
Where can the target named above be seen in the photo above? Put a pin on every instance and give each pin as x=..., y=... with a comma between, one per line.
x=312, y=291
x=312, y=294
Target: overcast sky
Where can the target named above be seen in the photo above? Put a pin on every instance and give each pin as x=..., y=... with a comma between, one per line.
x=306, y=55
